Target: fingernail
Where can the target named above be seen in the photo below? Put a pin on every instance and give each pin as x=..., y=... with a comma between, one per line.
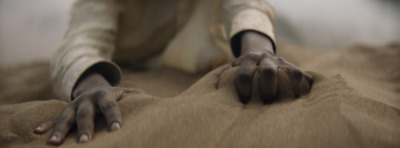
x=53, y=139
x=115, y=126
x=84, y=138
x=38, y=129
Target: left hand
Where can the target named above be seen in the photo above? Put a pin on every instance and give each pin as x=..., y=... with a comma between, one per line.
x=257, y=54
x=267, y=65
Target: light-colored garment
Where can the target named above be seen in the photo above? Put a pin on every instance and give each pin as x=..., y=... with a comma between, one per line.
x=190, y=35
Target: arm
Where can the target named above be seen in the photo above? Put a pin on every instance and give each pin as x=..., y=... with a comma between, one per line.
x=83, y=73
x=88, y=42
x=249, y=24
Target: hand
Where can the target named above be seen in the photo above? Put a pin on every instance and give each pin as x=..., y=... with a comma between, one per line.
x=92, y=93
x=267, y=66
x=257, y=54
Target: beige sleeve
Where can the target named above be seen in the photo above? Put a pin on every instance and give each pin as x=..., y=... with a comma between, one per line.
x=244, y=15
x=88, y=43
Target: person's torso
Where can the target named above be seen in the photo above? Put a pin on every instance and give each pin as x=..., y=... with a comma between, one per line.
x=187, y=32
x=147, y=26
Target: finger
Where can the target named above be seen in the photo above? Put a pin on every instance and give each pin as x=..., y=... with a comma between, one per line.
x=84, y=118
x=110, y=109
x=44, y=127
x=244, y=80
x=268, y=80
x=62, y=125
x=295, y=76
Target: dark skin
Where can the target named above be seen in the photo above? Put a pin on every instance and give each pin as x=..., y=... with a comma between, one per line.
x=257, y=54
x=93, y=92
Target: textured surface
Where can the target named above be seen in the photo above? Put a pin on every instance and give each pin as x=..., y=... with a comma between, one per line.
x=354, y=102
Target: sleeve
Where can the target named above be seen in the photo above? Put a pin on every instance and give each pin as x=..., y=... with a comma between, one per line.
x=88, y=44
x=244, y=15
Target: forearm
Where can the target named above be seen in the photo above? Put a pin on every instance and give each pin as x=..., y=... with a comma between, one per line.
x=88, y=43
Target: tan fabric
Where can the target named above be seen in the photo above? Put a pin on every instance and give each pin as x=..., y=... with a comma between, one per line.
x=354, y=103
x=190, y=35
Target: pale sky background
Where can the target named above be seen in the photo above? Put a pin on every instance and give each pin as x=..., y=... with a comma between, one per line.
x=31, y=30
x=336, y=24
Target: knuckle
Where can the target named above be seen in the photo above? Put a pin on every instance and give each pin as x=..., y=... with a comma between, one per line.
x=99, y=93
x=284, y=69
x=94, y=93
x=251, y=57
x=297, y=73
x=108, y=105
x=268, y=72
x=254, y=57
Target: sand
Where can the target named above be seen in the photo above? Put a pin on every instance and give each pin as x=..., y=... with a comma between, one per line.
x=354, y=102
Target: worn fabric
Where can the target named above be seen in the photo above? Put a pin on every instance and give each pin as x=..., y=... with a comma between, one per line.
x=189, y=35
x=354, y=103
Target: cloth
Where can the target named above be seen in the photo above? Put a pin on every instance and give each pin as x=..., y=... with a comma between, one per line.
x=190, y=35
x=354, y=102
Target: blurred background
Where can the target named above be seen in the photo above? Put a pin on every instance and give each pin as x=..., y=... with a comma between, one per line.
x=31, y=30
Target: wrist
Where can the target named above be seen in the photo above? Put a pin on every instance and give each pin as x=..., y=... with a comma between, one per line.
x=252, y=41
x=89, y=80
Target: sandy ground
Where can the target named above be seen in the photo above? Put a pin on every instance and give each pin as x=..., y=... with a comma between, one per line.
x=354, y=102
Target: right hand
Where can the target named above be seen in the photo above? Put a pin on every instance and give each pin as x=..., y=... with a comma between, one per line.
x=92, y=93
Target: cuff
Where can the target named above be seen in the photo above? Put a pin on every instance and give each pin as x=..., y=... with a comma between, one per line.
x=250, y=20
x=66, y=82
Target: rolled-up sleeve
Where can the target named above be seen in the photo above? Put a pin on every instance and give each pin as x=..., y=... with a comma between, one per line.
x=88, y=44
x=245, y=15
